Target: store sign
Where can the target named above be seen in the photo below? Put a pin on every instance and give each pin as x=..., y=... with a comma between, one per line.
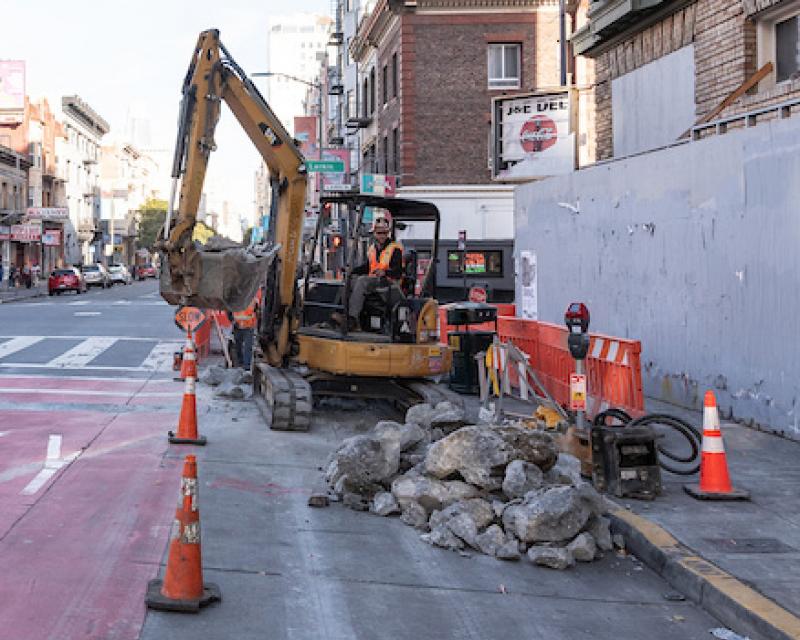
x=26, y=232
x=531, y=136
x=378, y=184
x=477, y=294
x=51, y=214
x=51, y=238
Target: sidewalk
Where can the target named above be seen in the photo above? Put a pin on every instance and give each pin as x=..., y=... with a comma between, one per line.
x=22, y=293
x=756, y=542
x=288, y=571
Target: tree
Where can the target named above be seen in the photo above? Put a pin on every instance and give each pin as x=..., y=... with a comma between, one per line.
x=151, y=222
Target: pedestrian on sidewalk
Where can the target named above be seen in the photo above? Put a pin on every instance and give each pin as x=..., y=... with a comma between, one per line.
x=1, y=274
x=12, y=276
x=26, y=276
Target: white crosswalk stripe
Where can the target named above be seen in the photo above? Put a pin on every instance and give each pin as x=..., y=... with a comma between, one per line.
x=160, y=358
x=80, y=356
x=18, y=344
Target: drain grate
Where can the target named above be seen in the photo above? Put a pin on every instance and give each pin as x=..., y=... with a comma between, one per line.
x=750, y=545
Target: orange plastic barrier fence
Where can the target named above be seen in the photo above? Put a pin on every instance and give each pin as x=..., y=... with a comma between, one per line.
x=503, y=309
x=613, y=365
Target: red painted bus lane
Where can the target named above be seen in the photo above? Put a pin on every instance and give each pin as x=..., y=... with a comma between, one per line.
x=86, y=501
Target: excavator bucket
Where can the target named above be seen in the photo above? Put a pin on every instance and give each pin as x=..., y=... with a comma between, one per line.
x=225, y=279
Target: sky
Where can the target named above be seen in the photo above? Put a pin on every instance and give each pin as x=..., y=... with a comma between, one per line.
x=124, y=56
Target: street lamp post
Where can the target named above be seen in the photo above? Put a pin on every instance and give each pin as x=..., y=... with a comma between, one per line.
x=315, y=85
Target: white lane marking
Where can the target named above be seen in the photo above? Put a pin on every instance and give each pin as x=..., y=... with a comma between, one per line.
x=79, y=303
x=122, y=302
x=3, y=433
x=53, y=462
x=53, y=448
x=28, y=365
x=36, y=376
x=86, y=392
x=84, y=337
x=86, y=313
x=81, y=354
x=160, y=357
x=18, y=344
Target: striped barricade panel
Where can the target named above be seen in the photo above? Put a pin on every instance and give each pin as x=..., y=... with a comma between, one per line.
x=613, y=365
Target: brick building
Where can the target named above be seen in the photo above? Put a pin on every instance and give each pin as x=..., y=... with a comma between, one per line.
x=429, y=70
x=652, y=72
x=427, y=74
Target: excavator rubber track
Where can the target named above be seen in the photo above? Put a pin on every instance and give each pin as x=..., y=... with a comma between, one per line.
x=284, y=398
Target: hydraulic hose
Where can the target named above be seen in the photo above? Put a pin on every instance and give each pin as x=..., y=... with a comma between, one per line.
x=692, y=435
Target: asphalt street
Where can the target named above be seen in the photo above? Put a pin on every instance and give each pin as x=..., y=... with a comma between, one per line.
x=89, y=484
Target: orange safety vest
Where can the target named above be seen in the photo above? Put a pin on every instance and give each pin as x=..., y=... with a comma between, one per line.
x=385, y=259
x=247, y=319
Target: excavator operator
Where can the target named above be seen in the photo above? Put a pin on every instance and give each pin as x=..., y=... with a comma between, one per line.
x=384, y=266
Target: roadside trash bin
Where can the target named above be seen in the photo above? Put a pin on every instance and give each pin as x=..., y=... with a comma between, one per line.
x=466, y=343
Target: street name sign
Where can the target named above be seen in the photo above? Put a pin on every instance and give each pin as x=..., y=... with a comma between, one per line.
x=325, y=166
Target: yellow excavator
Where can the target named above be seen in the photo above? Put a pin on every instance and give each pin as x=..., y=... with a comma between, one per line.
x=393, y=352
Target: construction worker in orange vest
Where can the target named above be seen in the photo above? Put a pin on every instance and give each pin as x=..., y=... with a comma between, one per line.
x=384, y=266
x=244, y=325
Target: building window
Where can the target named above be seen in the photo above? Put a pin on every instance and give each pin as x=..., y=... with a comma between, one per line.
x=364, y=98
x=787, y=52
x=395, y=151
x=386, y=154
x=504, y=66
x=394, y=75
x=779, y=43
x=372, y=90
x=385, y=85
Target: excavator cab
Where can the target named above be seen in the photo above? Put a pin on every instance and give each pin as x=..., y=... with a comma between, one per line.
x=396, y=311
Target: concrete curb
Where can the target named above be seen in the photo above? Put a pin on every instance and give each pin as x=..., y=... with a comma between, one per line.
x=725, y=597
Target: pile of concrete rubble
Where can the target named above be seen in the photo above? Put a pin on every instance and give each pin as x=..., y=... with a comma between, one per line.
x=502, y=490
x=235, y=384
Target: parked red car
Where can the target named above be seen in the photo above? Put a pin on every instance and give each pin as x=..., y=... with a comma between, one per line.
x=146, y=271
x=69, y=279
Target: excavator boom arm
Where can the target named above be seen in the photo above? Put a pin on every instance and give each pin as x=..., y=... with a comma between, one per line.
x=215, y=278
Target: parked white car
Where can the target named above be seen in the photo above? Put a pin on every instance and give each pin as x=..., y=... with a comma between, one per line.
x=119, y=273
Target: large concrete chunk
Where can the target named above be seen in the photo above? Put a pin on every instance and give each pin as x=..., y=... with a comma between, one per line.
x=567, y=470
x=479, y=510
x=364, y=461
x=431, y=493
x=555, y=515
x=529, y=445
x=521, y=477
x=583, y=547
x=442, y=537
x=464, y=527
x=420, y=414
x=490, y=540
x=477, y=453
x=551, y=557
x=384, y=504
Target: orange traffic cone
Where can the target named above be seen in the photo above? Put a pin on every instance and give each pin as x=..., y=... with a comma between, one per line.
x=182, y=588
x=187, y=422
x=189, y=359
x=715, y=483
